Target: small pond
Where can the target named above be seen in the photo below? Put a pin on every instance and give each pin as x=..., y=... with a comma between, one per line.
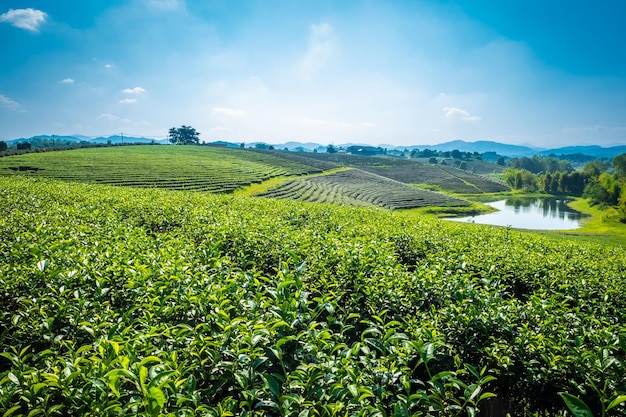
x=529, y=213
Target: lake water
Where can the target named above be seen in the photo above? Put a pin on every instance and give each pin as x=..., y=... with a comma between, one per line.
x=534, y=213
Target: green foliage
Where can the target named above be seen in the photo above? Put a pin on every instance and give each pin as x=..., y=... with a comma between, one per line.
x=520, y=179
x=538, y=164
x=606, y=189
x=122, y=301
x=619, y=164
x=3, y=146
x=594, y=168
x=184, y=135
x=572, y=183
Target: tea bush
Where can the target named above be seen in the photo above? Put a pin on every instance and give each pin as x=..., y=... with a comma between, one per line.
x=121, y=301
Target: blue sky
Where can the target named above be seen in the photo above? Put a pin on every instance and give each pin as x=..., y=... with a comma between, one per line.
x=542, y=73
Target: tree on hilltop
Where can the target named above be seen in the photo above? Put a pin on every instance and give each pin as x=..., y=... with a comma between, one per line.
x=184, y=135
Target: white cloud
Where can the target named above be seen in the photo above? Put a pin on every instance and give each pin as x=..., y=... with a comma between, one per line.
x=369, y=124
x=67, y=81
x=28, y=19
x=128, y=100
x=322, y=44
x=107, y=116
x=8, y=102
x=456, y=113
x=108, y=66
x=134, y=90
x=224, y=111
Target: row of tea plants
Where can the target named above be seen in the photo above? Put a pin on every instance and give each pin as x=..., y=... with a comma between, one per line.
x=197, y=168
x=120, y=301
x=360, y=188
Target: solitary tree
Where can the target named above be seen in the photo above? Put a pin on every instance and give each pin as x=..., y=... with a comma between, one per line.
x=3, y=146
x=184, y=135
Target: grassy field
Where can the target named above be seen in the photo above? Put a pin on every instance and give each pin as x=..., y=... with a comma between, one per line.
x=126, y=301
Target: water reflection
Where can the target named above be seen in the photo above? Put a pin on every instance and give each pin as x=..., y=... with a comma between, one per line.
x=546, y=213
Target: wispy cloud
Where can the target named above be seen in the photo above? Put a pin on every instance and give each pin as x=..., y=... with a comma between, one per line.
x=369, y=124
x=67, y=81
x=28, y=19
x=107, y=116
x=134, y=90
x=322, y=44
x=128, y=100
x=8, y=103
x=224, y=111
x=456, y=113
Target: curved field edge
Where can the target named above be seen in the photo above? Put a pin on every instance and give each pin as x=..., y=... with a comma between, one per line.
x=120, y=301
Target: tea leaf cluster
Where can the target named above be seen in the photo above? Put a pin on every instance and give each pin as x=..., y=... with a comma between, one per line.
x=122, y=301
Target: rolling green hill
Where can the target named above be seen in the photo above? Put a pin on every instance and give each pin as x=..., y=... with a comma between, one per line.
x=195, y=168
x=383, y=182
x=413, y=171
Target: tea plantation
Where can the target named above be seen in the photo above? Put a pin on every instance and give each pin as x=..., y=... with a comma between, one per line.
x=197, y=168
x=120, y=301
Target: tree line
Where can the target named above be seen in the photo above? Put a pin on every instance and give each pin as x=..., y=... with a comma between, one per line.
x=602, y=184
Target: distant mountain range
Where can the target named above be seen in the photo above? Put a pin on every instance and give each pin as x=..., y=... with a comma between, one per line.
x=88, y=139
x=481, y=147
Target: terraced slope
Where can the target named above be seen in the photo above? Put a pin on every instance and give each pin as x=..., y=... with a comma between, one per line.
x=355, y=187
x=194, y=168
x=413, y=172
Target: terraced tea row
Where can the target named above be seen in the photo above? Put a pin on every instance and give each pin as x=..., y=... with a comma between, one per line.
x=357, y=188
x=445, y=177
x=414, y=172
x=174, y=167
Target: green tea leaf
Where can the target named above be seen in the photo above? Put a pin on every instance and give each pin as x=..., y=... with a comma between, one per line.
x=272, y=384
x=576, y=406
x=617, y=401
x=11, y=411
x=156, y=394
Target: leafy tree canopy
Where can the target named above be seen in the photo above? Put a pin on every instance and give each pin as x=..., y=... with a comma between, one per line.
x=619, y=163
x=184, y=135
